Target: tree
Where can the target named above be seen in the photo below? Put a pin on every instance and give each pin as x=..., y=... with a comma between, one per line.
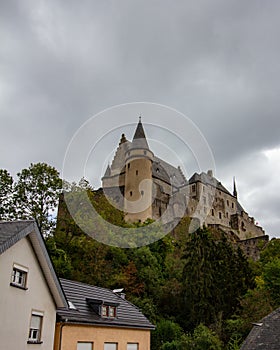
x=6, y=193
x=36, y=195
x=166, y=332
x=202, y=339
x=271, y=276
x=215, y=276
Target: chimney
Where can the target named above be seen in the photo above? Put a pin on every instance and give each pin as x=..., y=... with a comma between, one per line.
x=210, y=173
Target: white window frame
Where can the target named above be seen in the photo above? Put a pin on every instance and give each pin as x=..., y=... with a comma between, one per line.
x=35, y=332
x=132, y=346
x=19, y=276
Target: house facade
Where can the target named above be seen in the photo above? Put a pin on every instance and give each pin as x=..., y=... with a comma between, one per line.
x=30, y=290
x=98, y=318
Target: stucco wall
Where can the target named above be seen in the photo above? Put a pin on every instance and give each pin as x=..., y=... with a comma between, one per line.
x=71, y=334
x=17, y=304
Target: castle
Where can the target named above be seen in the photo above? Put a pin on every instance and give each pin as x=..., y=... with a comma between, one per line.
x=144, y=186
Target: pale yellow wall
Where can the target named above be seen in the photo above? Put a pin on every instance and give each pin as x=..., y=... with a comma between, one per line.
x=16, y=304
x=71, y=334
x=138, y=178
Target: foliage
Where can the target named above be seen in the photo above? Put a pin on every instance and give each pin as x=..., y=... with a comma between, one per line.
x=215, y=277
x=6, y=194
x=271, y=276
x=166, y=332
x=202, y=339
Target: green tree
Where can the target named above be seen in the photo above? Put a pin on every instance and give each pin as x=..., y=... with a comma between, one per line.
x=271, y=276
x=215, y=277
x=36, y=195
x=166, y=332
x=202, y=339
x=6, y=192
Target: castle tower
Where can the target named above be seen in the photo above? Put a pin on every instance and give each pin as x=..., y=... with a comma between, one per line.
x=138, y=178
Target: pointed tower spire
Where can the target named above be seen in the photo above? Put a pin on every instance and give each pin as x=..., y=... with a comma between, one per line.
x=234, y=188
x=139, y=138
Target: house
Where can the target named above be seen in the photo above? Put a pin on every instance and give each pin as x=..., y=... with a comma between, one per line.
x=265, y=335
x=99, y=318
x=30, y=289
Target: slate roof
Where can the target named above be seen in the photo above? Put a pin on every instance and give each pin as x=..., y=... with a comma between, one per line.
x=139, y=138
x=265, y=335
x=12, y=232
x=208, y=180
x=168, y=173
x=128, y=315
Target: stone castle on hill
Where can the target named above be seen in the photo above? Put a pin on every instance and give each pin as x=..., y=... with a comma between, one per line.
x=145, y=186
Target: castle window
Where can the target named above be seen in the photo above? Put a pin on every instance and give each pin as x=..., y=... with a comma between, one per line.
x=128, y=165
x=193, y=188
x=145, y=152
x=142, y=193
x=226, y=215
x=227, y=202
x=130, y=193
x=157, y=170
x=212, y=212
x=136, y=172
x=220, y=215
x=232, y=205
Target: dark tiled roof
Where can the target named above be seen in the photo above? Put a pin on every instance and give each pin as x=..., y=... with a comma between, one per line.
x=265, y=335
x=13, y=231
x=139, y=138
x=79, y=294
x=168, y=173
x=208, y=180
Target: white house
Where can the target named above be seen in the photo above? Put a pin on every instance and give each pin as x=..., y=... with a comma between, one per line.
x=30, y=291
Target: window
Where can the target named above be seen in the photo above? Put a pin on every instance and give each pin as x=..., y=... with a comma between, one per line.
x=109, y=311
x=84, y=345
x=35, y=329
x=212, y=212
x=204, y=200
x=145, y=152
x=19, y=276
x=232, y=205
x=193, y=188
x=132, y=346
x=130, y=193
x=110, y=346
x=128, y=165
x=142, y=193
x=136, y=172
x=220, y=215
x=227, y=202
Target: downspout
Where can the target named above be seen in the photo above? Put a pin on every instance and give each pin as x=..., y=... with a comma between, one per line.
x=60, y=334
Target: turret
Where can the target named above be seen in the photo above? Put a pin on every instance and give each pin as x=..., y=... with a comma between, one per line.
x=234, y=188
x=138, y=178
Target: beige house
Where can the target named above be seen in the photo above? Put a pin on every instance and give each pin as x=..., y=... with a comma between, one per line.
x=100, y=319
x=30, y=291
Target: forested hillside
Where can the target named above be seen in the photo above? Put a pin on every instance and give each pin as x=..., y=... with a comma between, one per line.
x=199, y=289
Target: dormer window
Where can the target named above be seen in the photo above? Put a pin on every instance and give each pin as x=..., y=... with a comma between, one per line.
x=108, y=311
x=104, y=309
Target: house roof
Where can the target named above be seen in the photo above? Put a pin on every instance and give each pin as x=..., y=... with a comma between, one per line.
x=265, y=335
x=12, y=232
x=81, y=295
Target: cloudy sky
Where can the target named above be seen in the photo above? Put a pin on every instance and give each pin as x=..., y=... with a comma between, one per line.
x=217, y=62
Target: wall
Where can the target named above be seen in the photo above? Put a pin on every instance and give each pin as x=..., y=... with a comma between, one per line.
x=71, y=334
x=17, y=304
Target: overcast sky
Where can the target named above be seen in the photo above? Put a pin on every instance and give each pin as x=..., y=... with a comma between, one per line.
x=217, y=62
